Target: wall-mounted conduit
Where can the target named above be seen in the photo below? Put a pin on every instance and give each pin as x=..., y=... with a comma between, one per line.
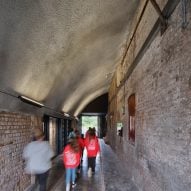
x=184, y=13
x=60, y=114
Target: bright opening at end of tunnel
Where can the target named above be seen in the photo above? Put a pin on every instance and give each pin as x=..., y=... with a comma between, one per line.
x=89, y=121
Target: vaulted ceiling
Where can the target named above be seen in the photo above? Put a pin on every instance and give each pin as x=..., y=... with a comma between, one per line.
x=61, y=53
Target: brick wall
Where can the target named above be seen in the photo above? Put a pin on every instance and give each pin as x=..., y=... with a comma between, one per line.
x=160, y=158
x=15, y=133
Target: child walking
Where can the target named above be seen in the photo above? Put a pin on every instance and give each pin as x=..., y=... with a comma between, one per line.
x=71, y=158
x=81, y=147
x=93, y=148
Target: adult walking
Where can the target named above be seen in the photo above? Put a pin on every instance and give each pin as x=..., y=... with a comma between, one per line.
x=38, y=156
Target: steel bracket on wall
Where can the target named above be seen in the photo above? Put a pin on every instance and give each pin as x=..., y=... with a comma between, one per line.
x=163, y=19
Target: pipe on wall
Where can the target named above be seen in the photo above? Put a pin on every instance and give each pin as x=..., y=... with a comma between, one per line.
x=184, y=4
x=167, y=11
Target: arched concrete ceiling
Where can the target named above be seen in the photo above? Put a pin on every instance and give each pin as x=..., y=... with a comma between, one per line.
x=59, y=52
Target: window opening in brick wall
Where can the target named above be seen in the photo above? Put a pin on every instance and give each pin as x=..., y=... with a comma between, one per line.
x=131, y=120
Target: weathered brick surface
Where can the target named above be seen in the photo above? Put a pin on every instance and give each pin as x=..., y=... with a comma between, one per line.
x=15, y=133
x=160, y=159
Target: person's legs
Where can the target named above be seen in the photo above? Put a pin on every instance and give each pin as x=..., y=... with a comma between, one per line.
x=42, y=179
x=68, y=178
x=93, y=164
x=73, y=177
x=78, y=169
x=89, y=162
x=89, y=166
x=82, y=155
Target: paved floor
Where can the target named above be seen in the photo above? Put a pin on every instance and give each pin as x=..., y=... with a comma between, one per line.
x=115, y=176
x=84, y=183
x=109, y=175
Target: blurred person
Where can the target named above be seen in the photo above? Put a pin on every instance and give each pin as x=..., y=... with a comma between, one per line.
x=72, y=133
x=38, y=155
x=87, y=132
x=81, y=147
x=71, y=159
x=93, y=148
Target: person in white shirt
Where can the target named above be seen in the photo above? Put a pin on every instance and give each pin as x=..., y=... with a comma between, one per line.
x=37, y=155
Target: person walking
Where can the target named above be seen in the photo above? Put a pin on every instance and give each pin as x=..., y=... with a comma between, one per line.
x=72, y=133
x=71, y=158
x=80, y=141
x=87, y=132
x=93, y=148
x=38, y=155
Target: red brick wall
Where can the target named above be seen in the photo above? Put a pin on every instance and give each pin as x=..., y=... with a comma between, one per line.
x=160, y=158
x=15, y=133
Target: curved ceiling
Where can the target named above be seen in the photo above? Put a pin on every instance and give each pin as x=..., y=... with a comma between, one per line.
x=61, y=52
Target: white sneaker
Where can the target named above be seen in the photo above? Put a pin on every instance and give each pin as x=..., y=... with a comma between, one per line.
x=89, y=172
x=73, y=185
x=68, y=187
